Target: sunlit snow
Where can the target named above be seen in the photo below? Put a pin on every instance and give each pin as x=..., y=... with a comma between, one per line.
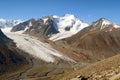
x=9, y=23
x=68, y=21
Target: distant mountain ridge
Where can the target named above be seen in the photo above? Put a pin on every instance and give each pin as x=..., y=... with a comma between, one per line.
x=104, y=23
x=4, y=23
x=60, y=27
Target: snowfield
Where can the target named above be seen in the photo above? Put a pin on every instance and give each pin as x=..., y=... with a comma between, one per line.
x=34, y=47
x=69, y=21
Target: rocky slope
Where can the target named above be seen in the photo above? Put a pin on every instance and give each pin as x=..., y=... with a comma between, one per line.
x=108, y=69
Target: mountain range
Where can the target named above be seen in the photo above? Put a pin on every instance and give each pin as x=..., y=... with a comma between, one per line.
x=55, y=47
x=53, y=27
x=4, y=23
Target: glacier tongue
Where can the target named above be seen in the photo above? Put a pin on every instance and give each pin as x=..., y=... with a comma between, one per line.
x=34, y=47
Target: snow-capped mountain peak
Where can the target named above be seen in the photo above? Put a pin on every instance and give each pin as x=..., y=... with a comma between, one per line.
x=67, y=26
x=116, y=26
x=4, y=23
x=69, y=22
x=103, y=23
x=2, y=20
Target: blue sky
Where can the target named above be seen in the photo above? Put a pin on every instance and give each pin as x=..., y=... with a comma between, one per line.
x=86, y=10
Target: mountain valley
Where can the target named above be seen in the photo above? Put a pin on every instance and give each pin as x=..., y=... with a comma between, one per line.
x=60, y=48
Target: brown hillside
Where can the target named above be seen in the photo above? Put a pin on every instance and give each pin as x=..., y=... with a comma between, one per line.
x=103, y=70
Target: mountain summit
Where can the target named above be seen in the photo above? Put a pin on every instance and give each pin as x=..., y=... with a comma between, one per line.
x=67, y=26
x=103, y=23
x=69, y=22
